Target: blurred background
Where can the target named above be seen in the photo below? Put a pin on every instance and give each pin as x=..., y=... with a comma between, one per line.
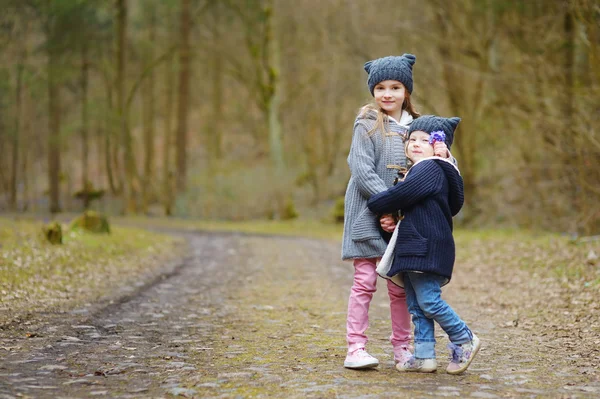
x=243, y=109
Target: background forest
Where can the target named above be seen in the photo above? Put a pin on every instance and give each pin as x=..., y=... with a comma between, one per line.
x=243, y=109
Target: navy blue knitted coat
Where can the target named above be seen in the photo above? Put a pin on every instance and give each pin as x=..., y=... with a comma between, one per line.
x=430, y=195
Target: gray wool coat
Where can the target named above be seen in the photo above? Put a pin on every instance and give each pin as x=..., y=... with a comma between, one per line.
x=374, y=161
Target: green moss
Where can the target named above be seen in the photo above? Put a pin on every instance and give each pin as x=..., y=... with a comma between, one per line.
x=91, y=221
x=53, y=233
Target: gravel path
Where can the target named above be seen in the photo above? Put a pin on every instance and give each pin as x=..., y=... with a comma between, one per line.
x=255, y=316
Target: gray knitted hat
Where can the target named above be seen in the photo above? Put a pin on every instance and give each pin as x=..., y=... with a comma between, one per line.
x=432, y=123
x=391, y=68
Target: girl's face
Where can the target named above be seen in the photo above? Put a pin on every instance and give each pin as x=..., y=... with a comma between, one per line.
x=418, y=146
x=389, y=96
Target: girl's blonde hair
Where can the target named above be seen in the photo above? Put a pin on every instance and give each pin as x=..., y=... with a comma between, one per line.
x=382, y=121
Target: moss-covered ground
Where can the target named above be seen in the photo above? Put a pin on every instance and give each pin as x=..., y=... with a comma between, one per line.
x=36, y=276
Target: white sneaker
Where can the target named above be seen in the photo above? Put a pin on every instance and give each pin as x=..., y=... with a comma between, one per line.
x=461, y=356
x=360, y=359
x=418, y=365
x=402, y=354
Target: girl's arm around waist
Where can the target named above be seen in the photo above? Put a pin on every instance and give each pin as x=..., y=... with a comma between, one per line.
x=423, y=180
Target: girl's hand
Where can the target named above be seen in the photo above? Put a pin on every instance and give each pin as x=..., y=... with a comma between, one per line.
x=387, y=223
x=440, y=149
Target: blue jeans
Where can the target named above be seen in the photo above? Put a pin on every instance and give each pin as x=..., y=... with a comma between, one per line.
x=425, y=304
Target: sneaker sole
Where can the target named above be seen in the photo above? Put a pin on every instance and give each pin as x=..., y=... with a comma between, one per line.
x=421, y=370
x=416, y=370
x=466, y=366
x=359, y=366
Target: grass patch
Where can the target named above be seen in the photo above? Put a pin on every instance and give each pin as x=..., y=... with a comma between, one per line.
x=35, y=275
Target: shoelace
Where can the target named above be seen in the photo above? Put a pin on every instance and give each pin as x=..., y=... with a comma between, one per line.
x=361, y=353
x=456, y=352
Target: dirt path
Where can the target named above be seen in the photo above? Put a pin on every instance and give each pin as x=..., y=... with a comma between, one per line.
x=248, y=316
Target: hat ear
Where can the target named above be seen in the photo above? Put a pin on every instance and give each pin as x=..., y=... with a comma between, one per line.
x=454, y=121
x=368, y=66
x=410, y=58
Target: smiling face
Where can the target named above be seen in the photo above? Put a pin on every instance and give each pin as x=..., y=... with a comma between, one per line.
x=389, y=96
x=418, y=146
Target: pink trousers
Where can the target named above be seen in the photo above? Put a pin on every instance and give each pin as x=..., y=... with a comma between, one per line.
x=363, y=288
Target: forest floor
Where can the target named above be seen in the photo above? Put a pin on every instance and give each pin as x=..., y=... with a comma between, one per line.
x=242, y=315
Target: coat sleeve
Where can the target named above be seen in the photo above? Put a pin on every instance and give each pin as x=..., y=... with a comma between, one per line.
x=361, y=161
x=423, y=180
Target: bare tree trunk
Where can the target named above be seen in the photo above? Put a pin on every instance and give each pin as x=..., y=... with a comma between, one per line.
x=4, y=180
x=572, y=147
x=16, y=137
x=184, y=89
x=168, y=141
x=168, y=183
x=54, y=142
x=569, y=69
x=310, y=143
x=273, y=102
x=567, y=150
x=273, y=99
x=85, y=183
x=108, y=159
x=215, y=153
x=120, y=83
x=106, y=127
x=26, y=198
x=148, y=104
x=27, y=135
x=129, y=191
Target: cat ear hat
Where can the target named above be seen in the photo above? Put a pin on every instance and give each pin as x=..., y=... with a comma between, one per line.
x=391, y=68
x=432, y=123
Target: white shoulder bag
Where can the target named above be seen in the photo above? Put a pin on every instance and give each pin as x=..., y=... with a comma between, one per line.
x=385, y=264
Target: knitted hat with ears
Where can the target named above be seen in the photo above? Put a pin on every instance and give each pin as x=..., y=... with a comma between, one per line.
x=432, y=123
x=391, y=68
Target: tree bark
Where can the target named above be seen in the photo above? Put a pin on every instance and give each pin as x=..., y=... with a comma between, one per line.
x=168, y=183
x=128, y=159
x=16, y=137
x=148, y=104
x=4, y=166
x=184, y=89
x=85, y=183
x=214, y=139
x=273, y=90
x=54, y=142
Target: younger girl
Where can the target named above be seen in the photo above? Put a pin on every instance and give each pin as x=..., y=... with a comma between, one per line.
x=376, y=155
x=429, y=196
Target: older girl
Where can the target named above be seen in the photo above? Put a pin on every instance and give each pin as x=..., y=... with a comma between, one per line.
x=376, y=155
